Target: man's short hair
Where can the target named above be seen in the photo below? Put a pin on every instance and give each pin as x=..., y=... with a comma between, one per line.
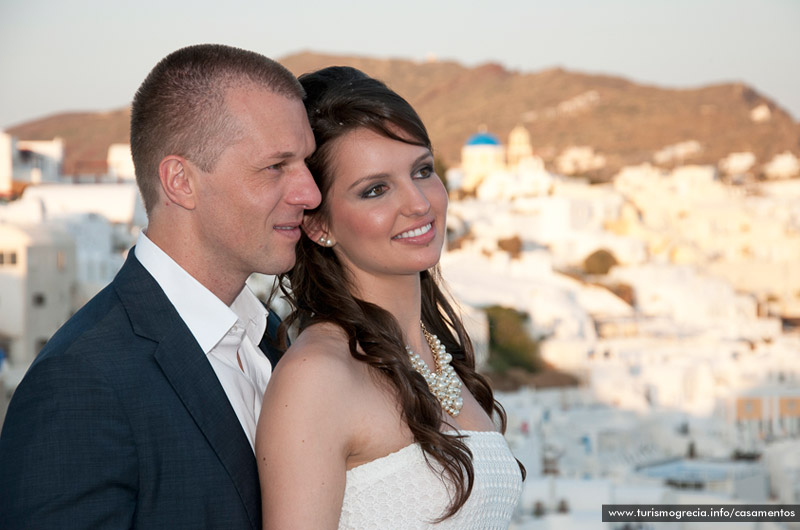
x=180, y=107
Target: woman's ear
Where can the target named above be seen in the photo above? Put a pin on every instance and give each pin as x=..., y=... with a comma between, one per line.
x=176, y=181
x=317, y=231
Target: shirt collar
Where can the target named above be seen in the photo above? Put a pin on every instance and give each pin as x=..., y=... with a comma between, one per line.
x=206, y=316
x=251, y=313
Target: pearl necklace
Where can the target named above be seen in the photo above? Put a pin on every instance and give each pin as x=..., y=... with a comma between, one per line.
x=443, y=383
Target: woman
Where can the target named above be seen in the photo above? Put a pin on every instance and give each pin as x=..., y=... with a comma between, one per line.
x=351, y=434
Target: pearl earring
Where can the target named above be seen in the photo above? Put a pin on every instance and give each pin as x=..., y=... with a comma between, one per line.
x=325, y=241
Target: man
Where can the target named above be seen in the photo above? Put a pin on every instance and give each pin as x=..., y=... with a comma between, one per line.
x=140, y=412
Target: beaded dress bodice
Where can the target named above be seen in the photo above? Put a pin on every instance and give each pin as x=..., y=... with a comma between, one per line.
x=401, y=491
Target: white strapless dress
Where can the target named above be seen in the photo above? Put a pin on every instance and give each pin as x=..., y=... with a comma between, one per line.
x=401, y=491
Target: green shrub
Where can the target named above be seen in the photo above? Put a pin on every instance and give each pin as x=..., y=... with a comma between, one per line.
x=510, y=345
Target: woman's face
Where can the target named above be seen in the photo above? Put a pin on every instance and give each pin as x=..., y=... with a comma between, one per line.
x=386, y=206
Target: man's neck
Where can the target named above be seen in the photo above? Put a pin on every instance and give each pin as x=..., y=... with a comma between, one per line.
x=224, y=284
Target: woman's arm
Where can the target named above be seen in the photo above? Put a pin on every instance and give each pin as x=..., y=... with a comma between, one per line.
x=303, y=438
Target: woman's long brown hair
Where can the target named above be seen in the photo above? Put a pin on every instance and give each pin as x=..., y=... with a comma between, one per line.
x=340, y=100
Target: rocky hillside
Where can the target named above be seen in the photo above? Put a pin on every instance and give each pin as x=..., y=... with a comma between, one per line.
x=625, y=122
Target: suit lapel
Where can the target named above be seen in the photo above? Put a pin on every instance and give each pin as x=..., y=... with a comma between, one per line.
x=193, y=379
x=186, y=367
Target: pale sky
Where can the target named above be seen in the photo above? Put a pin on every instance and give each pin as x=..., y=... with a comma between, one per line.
x=75, y=55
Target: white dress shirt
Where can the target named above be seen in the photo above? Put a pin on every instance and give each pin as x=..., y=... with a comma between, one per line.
x=227, y=335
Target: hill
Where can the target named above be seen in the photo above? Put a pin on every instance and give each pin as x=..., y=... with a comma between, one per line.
x=622, y=120
x=87, y=136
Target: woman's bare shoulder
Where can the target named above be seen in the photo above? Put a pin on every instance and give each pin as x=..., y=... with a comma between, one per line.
x=319, y=356
x=315, y=387
x=321, y=345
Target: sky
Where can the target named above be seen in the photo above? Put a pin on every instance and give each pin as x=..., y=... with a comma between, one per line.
x=91, y=55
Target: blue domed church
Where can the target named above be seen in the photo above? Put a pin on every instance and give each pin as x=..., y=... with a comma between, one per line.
x=481, y=155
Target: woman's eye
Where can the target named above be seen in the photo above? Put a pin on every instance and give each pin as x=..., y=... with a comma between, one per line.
x=373, y=191
x=425, y=172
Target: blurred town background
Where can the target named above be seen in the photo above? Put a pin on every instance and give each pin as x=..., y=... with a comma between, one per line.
x=623, y=231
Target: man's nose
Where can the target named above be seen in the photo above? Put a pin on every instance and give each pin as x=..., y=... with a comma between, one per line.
x=304, y=190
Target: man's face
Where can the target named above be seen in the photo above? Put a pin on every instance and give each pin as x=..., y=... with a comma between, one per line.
x=249, y=207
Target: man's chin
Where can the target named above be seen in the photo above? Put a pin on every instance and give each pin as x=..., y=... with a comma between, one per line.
x=275, y=268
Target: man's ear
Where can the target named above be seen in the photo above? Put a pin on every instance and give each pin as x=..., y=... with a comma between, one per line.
x=316, y=231
x=176, y=177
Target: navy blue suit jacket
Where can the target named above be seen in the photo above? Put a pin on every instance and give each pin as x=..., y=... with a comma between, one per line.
x=121, y=422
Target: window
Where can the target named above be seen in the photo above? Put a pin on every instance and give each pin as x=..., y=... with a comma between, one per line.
x=13, y=258
x=38, y=299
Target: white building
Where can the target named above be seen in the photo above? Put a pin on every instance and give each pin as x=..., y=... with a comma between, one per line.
x=37, y=282
x=481, y=155
x=120, y=163
x=687, y=216
x=6, y=165
x=737, y=163
x=99, y=252
x=783, y=462
x=577, y=160
x=519, y=147
x=102, y=219
x=120, y=203
x=782, y=166
x=38, y=161
x=61, y=244
x=24, y=162
x=770, y=410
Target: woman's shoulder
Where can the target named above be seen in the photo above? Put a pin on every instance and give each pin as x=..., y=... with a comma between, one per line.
x=320, y=351
x=315, y=386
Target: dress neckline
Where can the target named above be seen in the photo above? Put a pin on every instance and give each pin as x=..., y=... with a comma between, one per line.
x=415, y=445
